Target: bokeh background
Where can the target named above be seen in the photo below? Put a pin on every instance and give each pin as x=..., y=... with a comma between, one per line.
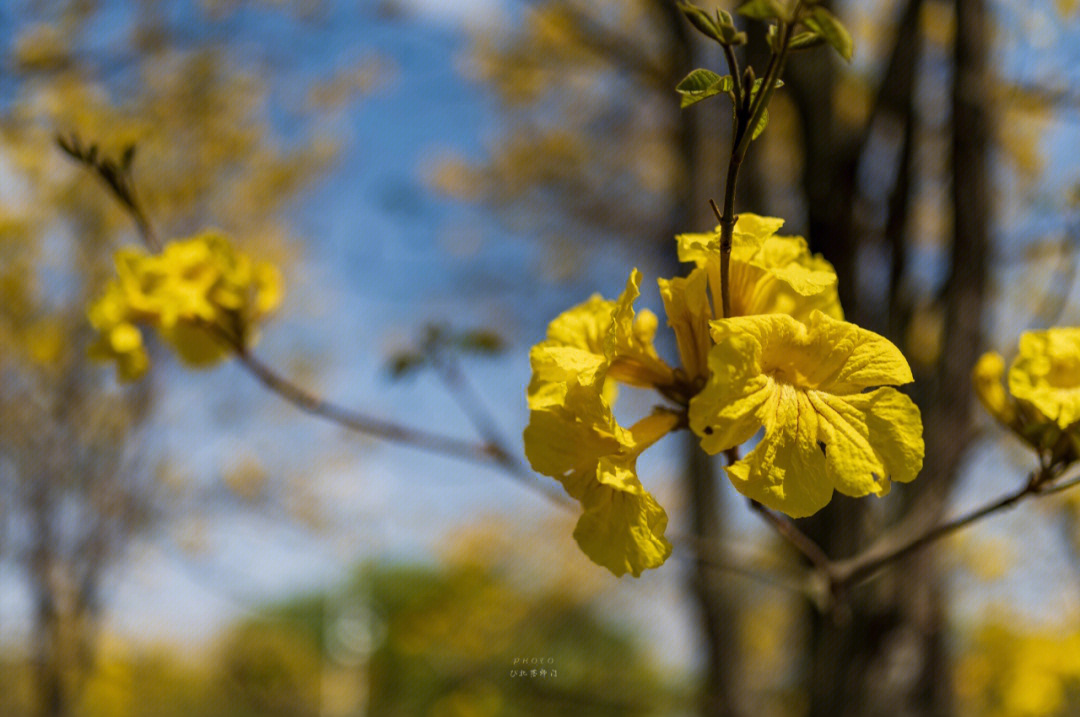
x=427, y=170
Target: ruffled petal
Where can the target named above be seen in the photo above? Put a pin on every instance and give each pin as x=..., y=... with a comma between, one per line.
x=786, y=471
x=686, y=303
x=1046, y=373
x=869, y=439
x=623, y=526
x=724, y=413
x=629, y=344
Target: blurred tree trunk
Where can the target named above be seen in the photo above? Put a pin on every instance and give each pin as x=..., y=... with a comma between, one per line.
x=718, y=691
x=47, y=628
x=886, y=656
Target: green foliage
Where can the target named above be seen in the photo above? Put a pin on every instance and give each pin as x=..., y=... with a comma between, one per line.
x=721, y=28
x=438, y=342
x=765, y=10
x=443, y=641
x=831, y=30
x=762, y=123
x=702, y=84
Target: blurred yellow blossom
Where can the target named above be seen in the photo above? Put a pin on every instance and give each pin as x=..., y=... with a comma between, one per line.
x=1042, y=405
x=1046, y=373
x=202, y=295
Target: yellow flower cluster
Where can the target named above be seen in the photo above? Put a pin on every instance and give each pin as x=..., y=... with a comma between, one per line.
x=785, y=364
x=200, y=293
x=1042, y=404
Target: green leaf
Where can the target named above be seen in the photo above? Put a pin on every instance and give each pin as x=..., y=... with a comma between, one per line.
x=824, y=23
x=763, y=122
x=481, y=341
x=702, y=84
x=405, y=363
x=806, y=40
x=764, y=10
x=757, y=86
x=701, y=21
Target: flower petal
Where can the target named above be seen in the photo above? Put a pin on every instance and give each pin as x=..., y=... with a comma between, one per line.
x=584, y=326
x=786, y=471
x=554, y=366
x=869, y=439
x=724, y=413
x=686, y=303
x=1046, y=373
x=567, y=439
x=629, y=344
x=835, y=356
x=987, y=377
x=623, y=526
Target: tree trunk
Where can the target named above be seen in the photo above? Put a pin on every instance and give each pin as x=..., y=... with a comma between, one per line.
x=718, y=690
x=887, y=655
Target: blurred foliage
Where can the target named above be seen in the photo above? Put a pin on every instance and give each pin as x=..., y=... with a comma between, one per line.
x=396, y=639
x=438, y=344
x=76, y=482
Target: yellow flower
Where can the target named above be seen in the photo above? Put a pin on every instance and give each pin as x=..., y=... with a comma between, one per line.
x=573, y=437
x=1042, y=405
x=200, y=293
x=769, y=274
x=123, y=344
x=577, y=441
x=805, y=385
x=1046, y=373
x=686, y=303
x=987, y=379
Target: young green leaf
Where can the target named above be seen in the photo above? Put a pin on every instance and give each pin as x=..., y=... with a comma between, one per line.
x=757, y=87
x=824, y=23
x=761, y=125
x=701, y=84
x=702, y=22
x=806, y=40
x=765, y=10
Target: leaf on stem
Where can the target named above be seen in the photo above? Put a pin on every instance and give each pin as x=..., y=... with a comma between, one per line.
x=805, y=40
x=765, y=10
x=720, y=28
x=825, y=24
x=702, y=84
x=762, y=123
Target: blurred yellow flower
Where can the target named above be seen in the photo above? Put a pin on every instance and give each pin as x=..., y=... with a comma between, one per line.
x=987, y=380
x=1042, y=405
x=770, y=274
x=1046, y=373
x=201, y=294
x=805, y=385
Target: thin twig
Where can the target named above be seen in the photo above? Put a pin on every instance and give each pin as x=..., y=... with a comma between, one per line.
x=799, y=540
x=865, y=565
x=796, y=579
x=117, y=177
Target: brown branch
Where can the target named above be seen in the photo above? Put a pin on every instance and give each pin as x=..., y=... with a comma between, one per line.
x=799, y=540
x=887, y=550
x=717, y=557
